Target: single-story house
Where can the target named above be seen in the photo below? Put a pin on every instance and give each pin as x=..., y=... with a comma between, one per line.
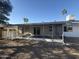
x=54, y=29
x=51, y=29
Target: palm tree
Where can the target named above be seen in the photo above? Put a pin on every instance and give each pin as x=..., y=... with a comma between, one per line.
x=25, y=20
x=64, y=11
x=5, y=9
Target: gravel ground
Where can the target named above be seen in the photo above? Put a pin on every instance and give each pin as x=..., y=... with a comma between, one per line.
x=25, y=49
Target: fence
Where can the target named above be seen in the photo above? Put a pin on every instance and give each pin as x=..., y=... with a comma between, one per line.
x=9, y=34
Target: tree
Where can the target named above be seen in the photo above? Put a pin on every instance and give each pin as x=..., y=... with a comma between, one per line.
x=25, y=20
x=64, y=11
x=5, y=9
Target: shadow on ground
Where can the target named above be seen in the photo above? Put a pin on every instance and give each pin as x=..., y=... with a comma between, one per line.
x=40, y=50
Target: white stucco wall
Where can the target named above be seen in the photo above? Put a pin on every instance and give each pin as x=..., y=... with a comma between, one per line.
x=75, y=31
x=75, y=27
x=71, y=34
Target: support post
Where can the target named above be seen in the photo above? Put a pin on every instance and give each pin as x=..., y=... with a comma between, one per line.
x=63, y=33
x=43, y=29
x=52, y=31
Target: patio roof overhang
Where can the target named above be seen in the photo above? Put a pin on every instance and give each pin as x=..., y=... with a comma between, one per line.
x=42, y=23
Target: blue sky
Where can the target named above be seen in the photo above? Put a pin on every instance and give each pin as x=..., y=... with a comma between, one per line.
x=42, y=10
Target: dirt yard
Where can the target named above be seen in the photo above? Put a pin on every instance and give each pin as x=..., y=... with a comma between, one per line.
x=26, y=49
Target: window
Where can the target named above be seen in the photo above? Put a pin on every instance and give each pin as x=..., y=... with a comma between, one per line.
x=69, y=28
x=50, y=28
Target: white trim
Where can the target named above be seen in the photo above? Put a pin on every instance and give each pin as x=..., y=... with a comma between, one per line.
x=75, y=22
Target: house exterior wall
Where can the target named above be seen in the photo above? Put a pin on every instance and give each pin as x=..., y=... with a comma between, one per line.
x=26, y=29
x=75, y=31
x=18, y=30
x=57, y=31
x=10, y=32
x=75, y=27
x=72, y=37
x=44, y=30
